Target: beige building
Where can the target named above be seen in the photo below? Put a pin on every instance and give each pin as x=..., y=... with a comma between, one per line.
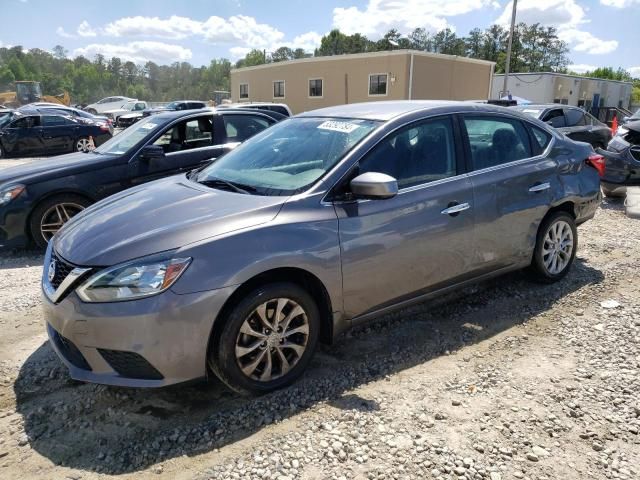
x=317, y=82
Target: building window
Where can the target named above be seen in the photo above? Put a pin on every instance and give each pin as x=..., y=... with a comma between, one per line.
x=244, y=90
x=315, y=87
x=378, y=84
x=278, y=89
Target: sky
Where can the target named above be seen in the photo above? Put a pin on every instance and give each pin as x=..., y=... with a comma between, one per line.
x=598, y=32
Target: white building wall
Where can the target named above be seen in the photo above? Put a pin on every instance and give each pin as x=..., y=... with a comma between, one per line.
x=549, y=87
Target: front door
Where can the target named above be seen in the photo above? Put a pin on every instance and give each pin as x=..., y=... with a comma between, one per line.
x=419, y=240
x=23, y=137
x=187, y=144
x=512, y=187
x=58, y=133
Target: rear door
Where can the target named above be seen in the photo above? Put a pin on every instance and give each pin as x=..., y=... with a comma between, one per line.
x=58, y=133
x=577, y=127
x=404, y=246
x=512, y=180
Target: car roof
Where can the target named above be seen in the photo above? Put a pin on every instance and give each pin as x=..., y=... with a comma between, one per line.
x=543, y=105
x=387, y=110
x=171, y=115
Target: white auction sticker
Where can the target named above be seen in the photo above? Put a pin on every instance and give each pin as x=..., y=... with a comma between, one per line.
x=344, y=127
x=149, y=125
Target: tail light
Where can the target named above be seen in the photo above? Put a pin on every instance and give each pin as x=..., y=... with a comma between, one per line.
x=597, y=161
x=104, y=127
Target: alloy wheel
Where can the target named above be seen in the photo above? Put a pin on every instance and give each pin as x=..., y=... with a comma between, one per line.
x=557, y=247
x=82, y=145
x=56, y=216
x=272, y=339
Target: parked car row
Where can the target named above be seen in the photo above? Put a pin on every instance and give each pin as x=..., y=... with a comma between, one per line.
x=50, y=192
x=315, y=224
x=47, y=131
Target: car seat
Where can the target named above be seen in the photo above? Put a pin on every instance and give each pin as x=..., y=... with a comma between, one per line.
x=505, y=147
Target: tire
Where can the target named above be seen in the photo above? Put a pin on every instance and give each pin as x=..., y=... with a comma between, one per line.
x=543, y=267
x=228, y=366
x=81, y=144
x=92, y=111
x=48, y=212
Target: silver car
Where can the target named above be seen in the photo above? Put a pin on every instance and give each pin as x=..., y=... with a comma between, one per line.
x=321, y=222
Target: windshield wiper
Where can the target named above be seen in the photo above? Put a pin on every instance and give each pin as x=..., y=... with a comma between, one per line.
x=239, y=188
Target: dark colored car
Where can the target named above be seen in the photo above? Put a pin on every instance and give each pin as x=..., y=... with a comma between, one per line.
x=64, y=110
x=36, y=199
x=129, y=119
x=324, y=221
x=574, y=122
x=175, y=106
x=34, y=133
x=622, y=158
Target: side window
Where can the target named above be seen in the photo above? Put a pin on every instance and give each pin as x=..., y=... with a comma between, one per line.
x=140, y=106
x=244, y=90
x=541, y=139
x=591, y=120
x=278, y=89
x=241, y=127
x=575, y=117
x=53, y=121
x=188, y=134
x=417, y=154
x=496, y=140
x=21, y=123
x=555, y=118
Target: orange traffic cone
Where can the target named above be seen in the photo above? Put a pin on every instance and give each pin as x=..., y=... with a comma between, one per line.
x=92, y=145
x=614, y=125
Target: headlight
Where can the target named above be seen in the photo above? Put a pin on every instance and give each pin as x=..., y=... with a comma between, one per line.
x=9, y=193
x=131, y=280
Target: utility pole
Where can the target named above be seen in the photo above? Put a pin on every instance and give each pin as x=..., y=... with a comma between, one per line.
x=507, y=62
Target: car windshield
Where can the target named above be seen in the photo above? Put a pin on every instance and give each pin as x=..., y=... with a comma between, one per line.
x=172, y=105
x=8, y=118
x=130, y=137
x=288, y=157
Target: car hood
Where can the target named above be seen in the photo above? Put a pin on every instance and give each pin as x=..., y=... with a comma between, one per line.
x=633, y=125
x=131, y=115
x=61, y=165
x=162, y=215
x=156, y=109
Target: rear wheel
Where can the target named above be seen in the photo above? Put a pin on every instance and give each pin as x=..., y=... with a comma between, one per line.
x=267, y=340
x=50, y=215
x=92, y=111
x=555, y=249
x=82, y=144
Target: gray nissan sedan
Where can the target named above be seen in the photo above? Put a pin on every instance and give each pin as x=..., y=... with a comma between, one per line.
x=319, y=223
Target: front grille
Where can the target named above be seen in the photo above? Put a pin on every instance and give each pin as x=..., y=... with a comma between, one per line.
x=63, y=269
x=69, y=351
x=130, y=365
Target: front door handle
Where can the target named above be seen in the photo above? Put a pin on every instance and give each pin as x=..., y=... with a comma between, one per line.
x=539, y=187
x=455, y=208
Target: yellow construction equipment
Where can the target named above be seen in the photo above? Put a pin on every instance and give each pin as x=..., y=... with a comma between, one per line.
x=29, y=92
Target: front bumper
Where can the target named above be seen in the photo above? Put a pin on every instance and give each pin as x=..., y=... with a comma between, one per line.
x=13, y=224
x=151, y=342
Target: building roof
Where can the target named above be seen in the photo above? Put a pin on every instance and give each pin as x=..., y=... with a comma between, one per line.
x=386, y=110
x=354, y=56
x=540, y=74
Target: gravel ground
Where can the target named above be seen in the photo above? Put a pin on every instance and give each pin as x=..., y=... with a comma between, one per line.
x=505, y=380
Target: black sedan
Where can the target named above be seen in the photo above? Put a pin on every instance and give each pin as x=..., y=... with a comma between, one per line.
x=574, y=122
x=34, y=133
x=36, y=199
x=175, y=107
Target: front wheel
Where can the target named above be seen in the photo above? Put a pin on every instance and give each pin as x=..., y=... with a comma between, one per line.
x=267, y=340
x=50, y=215
x=556, y=245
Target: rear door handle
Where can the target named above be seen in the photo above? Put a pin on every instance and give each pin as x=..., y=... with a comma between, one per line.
x=539, y=187
x=454, y=210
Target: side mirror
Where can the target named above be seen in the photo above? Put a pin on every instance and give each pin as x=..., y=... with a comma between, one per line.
x=151, y=152
x=374, y=185
x=625, y=119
